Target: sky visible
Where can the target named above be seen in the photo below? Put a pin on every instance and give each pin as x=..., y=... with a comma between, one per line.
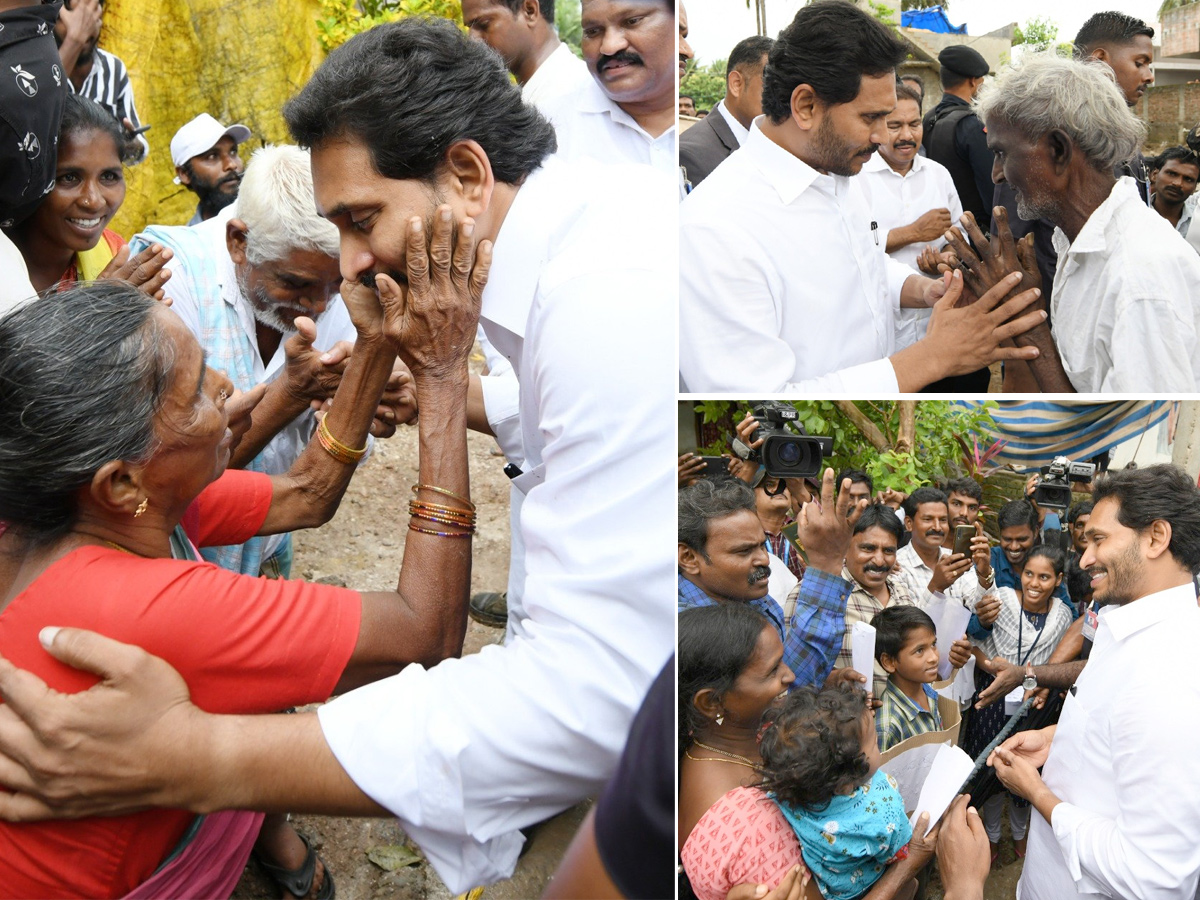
x=716, y=25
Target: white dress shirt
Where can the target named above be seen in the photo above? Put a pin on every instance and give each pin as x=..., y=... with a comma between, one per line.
x=560, y=73
x=591, y=126
x=966, y=588
x=897, y=200
x=1123, y=761
x=1126, y=303
x=782, y=287
x=578, y=299
x=740, y=131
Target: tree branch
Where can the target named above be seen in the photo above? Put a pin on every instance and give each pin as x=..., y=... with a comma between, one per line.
x=868, y=428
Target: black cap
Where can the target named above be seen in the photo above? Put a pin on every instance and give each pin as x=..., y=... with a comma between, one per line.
x=963, y=60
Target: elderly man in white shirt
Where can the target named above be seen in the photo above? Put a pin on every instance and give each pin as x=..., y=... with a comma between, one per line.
x=626, y=112
x=912, y=198
x=784, y=285
x=1124, y=309
x=1118, y=811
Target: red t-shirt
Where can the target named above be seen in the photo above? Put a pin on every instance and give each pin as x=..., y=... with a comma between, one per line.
x=243, y=644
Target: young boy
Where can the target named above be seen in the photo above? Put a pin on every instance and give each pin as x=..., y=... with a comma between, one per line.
x=906, y=647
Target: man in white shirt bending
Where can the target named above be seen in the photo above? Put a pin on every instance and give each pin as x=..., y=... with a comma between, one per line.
x=912, y=198
x=784, y=285
x=1125, y=308
x=1117, y=808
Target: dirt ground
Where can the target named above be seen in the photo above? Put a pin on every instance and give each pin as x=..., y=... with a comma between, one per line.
x=361, y=548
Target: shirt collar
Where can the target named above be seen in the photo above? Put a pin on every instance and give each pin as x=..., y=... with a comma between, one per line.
x=1092, y=237
x=593, y=100
x=1150, y=610
x=878, y=164
x=739, y=130
x=789, y=175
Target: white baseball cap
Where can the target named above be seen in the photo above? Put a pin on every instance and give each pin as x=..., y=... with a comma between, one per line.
x=200, y=135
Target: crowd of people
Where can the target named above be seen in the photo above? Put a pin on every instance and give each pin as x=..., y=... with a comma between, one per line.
x=183, y=398
x=780, y=737
x=1025, y=191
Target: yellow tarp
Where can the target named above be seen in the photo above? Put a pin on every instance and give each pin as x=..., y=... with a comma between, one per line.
x=238, y=60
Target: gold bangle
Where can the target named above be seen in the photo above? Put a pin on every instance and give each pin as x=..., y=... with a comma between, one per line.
x=444, y=492
x=434, y=511
x=449, y=534
x=335, y=448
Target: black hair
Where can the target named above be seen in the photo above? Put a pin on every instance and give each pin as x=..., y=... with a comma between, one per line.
x=687, y=97
x=409, y=90
x=950, y=79
x=893, y=624
x=749, y=52
x=1180, y=154
x=968, y=487
x=923, y=495
x=1078, y=581
x=1113, y=28
x=82, y=376
x=1157, y=492
x=830, y=45
x=715, y=646
x=856, y=476
x=545, y=7
x=904, y=92
x=82, y=115
x=879, y=516
x=710, y=499
x=1018, y=512
x=1081, y=508
x=1052, y=552
x=812, y=746
x=909, y=76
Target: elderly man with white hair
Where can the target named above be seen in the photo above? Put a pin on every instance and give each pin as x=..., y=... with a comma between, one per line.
x=258, y=287
x=1125, y=313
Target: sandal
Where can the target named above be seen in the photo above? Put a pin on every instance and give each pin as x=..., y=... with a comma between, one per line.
x=298, y=882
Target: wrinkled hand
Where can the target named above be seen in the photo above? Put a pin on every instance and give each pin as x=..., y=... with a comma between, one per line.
x=975, y=335
x=933, y=263
x=960, y=652
x=964, y=857
x=1007, y=676
x=932, y=225
x=82, y=20
x=144, y=271
x=119, y=746
x=824, y=527
x=311, y=374
x=947, y=570
x=988, y=609
x=240, y=407
x=922, y=846
x=691, y=469
x=991, y=258
x=790, y=887
x=1031, y=746
x=431, y=320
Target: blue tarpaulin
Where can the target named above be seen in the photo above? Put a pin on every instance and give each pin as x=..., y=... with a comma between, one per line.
x=931, y=19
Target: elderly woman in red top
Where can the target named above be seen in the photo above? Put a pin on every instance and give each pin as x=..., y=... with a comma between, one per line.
x=112, y=466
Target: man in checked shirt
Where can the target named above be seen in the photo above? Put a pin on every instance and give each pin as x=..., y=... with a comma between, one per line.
x=722, y=560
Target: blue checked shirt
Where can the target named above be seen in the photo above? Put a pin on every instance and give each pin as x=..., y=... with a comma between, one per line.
x=813, y=638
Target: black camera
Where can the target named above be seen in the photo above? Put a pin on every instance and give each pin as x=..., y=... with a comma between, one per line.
x=783, y=453
x=1054, y=489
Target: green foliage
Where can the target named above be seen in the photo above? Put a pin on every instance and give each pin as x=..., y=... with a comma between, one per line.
x=567, y=21
x=704, y=84
x=883, y=13
x=340, y=20
x=1039, y=33
x=924, y=4
x=937, y=453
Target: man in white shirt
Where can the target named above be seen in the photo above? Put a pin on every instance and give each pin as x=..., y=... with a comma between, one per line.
x=1117, y=812
x=927, y=567
x=1124, y=310
x=913, y=199
x=783, y=282
x=523, y=33
x=468, y=752
x=626, y=112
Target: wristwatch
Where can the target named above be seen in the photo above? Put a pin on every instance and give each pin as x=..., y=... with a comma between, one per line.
x=1030, y=682
x=990, y=580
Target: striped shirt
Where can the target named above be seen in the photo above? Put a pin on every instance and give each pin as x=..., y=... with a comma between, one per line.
x=861, y=606
x=899, y=718
x=1020, y=640
x=108, y=84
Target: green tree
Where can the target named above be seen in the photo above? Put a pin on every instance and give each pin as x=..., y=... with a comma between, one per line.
x=704, y=84
x=924, y=4
x=340, y=20
x=1039, y=33
x=567, y=21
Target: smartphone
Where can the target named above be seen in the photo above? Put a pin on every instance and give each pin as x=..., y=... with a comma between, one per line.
x=715, y=466
x=962, y=539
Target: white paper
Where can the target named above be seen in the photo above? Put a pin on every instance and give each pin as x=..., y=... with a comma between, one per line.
x=862, y=651
x=950, y=627
x=1014, y=699
x=949, y=770
x=910, y=769
x=962, y=688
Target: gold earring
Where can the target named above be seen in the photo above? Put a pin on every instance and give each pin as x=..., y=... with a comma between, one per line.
x=142, y=507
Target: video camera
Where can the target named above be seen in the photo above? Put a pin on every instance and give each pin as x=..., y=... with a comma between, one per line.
x=1054, y=489
x=783, y=453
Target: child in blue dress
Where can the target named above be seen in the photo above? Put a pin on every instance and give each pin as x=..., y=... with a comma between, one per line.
x=820, y=765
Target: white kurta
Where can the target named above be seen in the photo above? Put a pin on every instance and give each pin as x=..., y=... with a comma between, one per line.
x=472, y=749
x=1123, y=762
x=560, y=73
x=782, y=286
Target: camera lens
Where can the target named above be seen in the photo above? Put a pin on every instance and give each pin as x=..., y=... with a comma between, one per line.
x=789, y=454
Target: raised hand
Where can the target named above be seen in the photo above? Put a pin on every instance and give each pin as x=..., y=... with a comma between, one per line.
x=691, y=469
x=824, y=528
x=144, y=271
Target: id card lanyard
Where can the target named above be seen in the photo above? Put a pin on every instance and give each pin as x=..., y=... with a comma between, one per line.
x=1021, y=660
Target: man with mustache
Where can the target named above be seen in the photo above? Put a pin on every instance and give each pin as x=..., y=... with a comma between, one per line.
x=723, y=559
x=1116, y=816
x=913, y=199
x=928, y=567
x=207, y=163
x=626, y=112
x=1178, y=172
x=783, y=283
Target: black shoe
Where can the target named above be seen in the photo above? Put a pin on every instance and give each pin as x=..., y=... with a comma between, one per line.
x=489, y=608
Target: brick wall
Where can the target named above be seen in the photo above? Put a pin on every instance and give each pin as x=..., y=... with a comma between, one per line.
x=1169, y=111
x=1181, y=31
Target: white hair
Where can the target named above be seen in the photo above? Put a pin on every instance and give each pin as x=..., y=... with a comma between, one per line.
x=276, y=203
x=1045, y=91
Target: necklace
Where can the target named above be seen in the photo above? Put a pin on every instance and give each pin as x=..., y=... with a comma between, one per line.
x=735, y=762
x=732, y=757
